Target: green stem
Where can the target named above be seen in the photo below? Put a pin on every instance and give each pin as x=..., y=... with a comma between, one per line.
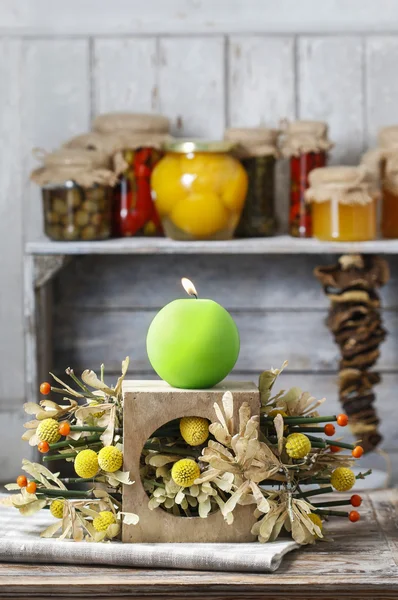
x=171, y=450
x=307, y=430
x=335, y=503
x=102, y=372
x=81, y=385
x=317, y=444
x=49, y=458
x=303, y=420
x=312, y=438
x=93, y=428
x=332, y=513
x=310, y=481
x=327, y=490
x=75, y=443
x=63, y=493
x=68, y=480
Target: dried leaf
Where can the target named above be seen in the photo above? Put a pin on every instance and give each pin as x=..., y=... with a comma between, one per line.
x=107, y=436
x=279, y=426
x=71, y=391
x=12, y=486
x=51, y=530
x=121, y=476
x=31, y=408
x=130, y=518
x=125, y=366
x=32, y=507
x=91, y=379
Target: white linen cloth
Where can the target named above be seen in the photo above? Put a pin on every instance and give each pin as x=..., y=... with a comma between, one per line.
x=20, y=541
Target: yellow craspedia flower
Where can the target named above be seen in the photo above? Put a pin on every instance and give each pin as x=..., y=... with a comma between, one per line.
x=342, y=479
x=184, y=472
x=104, y=519
x=110, y=459
x=57, y=508
x=276, y=411
x=297, y=445
x=48, y=431
x=194, y=430
x=86, y=464
x=316, y=519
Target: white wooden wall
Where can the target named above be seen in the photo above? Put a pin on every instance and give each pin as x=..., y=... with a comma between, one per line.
x=205, y=63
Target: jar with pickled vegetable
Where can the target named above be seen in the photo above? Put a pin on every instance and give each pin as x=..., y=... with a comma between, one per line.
x=257, y=150
x=199, y=190
x=77, y=194
x=135, y=141
x=306, y=144
x=343, y=204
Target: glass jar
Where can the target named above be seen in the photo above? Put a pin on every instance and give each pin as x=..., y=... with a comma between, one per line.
x=135, y=140
x=343, y=204
x=134, y=211
x=389, y=212
x=257, y=150
x=199, y=190
x=77, y=194
x=305, y=144
x=72, y=212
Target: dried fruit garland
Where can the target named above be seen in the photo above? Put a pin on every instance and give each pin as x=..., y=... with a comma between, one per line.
x=356, y=323
x=188, y=467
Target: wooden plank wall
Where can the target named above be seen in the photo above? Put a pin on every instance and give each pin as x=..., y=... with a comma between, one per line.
x=207, y=64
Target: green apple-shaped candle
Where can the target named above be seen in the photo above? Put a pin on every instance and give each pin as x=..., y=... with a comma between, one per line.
x=193, y=343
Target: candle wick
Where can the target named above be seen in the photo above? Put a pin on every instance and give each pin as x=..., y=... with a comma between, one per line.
x=194, y=295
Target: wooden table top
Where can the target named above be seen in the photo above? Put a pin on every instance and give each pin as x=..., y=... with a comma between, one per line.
x=361, y=562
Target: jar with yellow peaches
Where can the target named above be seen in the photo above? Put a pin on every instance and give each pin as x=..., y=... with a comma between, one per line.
x=344, y=203
x=199, y=190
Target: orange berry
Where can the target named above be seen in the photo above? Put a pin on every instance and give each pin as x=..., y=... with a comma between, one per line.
x=335, y=449
x=329, y=429
x=43, y=447
x=64, y=428
x=356, y=500
x=354, y=516
x=45, y=388
x=342, y=420
x=22, y=481
x=31, y=487
x=357, y=452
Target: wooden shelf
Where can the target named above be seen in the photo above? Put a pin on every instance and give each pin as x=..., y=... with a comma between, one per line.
x=275, y=245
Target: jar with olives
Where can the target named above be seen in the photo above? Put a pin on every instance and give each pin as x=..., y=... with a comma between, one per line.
x=257, y=150
x=135, y=142
x=77, y=194
x=199, y=190
x=344, y=201
x=306, y=144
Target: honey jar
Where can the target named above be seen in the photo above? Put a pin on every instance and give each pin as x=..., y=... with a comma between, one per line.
x=199, y=190
x=343, y=203
x=77, y=194
x=306, y=144
x=256, y=148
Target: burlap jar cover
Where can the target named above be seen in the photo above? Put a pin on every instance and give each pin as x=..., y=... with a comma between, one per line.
x=84, y=167
x=130, y=131
x=253, y=141
x=341, y=184
x=302, y=137
x=375, y=160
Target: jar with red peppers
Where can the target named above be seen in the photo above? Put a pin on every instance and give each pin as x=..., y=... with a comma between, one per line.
x=135, y=141
x=306, y=144
x=256, y=148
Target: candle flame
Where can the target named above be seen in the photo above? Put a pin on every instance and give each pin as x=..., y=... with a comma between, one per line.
x=189, y=287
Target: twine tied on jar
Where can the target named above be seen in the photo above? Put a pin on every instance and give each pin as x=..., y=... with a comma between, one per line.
x=301, y=137
x=83, y=167
x=345, y=185
x=253, y=141
x=130, y=131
